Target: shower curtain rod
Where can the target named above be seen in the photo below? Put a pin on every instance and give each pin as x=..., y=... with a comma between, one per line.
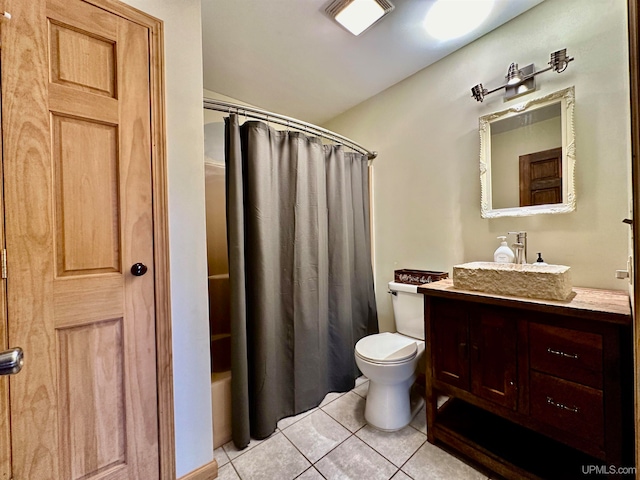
x=267, y=116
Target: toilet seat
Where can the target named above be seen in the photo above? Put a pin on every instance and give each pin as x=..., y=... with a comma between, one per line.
x=387, y=348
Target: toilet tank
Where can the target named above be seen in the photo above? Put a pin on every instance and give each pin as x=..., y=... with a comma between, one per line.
x=408, y=309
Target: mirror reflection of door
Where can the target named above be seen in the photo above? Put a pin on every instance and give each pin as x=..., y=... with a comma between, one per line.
x=532, y=130
x=541, y=177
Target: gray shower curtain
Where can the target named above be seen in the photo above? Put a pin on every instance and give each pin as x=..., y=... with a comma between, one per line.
x=300, y=272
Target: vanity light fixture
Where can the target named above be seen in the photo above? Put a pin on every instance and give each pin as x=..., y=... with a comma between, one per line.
x=521, y=81
x=514, y=75
x=358, y=15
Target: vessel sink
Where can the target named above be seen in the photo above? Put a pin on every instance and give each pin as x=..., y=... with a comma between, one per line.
x=548, y=282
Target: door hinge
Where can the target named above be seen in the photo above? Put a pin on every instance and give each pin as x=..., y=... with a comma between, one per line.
x=4, y=263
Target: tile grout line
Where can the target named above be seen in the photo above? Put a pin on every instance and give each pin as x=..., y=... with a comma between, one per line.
x=333, y=448
x=299, y=451
x=278, y=430
x=388, y=459
x=385, y=458
x=411, y=456
x=351, y=434
x=354, y=434
x=235, y=470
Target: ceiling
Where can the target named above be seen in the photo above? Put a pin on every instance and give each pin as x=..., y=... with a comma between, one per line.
x=288, y=57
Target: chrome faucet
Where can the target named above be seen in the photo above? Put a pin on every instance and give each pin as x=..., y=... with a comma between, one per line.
x=519, y=259
x=520, y=247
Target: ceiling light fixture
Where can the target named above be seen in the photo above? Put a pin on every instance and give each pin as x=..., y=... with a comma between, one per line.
x=358, y=16
x=521, y=81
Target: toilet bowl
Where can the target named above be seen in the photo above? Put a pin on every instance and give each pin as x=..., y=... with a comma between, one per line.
x=389, y=361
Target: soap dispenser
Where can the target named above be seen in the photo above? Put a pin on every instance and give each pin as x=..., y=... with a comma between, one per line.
x=503, y=253
x=540, y=261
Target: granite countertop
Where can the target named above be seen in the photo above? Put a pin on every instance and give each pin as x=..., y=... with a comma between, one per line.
x=592, y=303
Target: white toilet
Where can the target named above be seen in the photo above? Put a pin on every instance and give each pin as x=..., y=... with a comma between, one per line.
x=389, y=361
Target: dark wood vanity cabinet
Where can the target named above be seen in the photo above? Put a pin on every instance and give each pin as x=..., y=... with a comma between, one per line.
x=528, y=381
x=475, y=350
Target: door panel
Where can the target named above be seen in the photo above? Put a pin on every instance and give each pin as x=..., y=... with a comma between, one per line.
x=450, y=332
x=90, y=174
x=91, y=413
x=68, y=50
x=493, y=357
x=79, y=214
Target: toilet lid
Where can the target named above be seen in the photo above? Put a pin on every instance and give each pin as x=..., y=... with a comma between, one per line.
x=386, y=348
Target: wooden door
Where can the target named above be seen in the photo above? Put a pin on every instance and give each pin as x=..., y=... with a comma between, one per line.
x=493, y=357
x=541, y=178
x=634, y=254
x=450, y=343
x=78, y=214
x=5, y=437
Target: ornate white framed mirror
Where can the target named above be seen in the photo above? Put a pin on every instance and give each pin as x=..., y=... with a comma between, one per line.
x=527, y=158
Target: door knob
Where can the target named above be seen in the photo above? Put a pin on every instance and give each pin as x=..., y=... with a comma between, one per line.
x=138, y=269
x=11, y=361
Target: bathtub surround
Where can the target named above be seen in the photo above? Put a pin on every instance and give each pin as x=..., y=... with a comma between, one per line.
x=300, y=272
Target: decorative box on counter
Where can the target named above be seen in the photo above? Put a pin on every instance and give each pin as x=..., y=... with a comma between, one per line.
x=418, y=277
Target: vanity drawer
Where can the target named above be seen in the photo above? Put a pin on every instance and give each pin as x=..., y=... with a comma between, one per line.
x=568, y=406
x=566, y=353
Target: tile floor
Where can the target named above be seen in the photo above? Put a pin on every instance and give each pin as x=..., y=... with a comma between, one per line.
x=334, y=442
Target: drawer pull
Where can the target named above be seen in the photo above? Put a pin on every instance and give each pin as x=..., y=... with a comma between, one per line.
x=561, y=406
x=562, y=354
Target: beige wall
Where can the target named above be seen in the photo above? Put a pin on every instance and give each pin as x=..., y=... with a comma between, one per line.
x=189, y=309
x=425, y=128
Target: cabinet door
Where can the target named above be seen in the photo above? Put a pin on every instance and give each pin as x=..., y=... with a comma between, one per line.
x=493, y=357
x=450, y=341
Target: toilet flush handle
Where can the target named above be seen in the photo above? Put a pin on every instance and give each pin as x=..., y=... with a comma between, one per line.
x=393, y=292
